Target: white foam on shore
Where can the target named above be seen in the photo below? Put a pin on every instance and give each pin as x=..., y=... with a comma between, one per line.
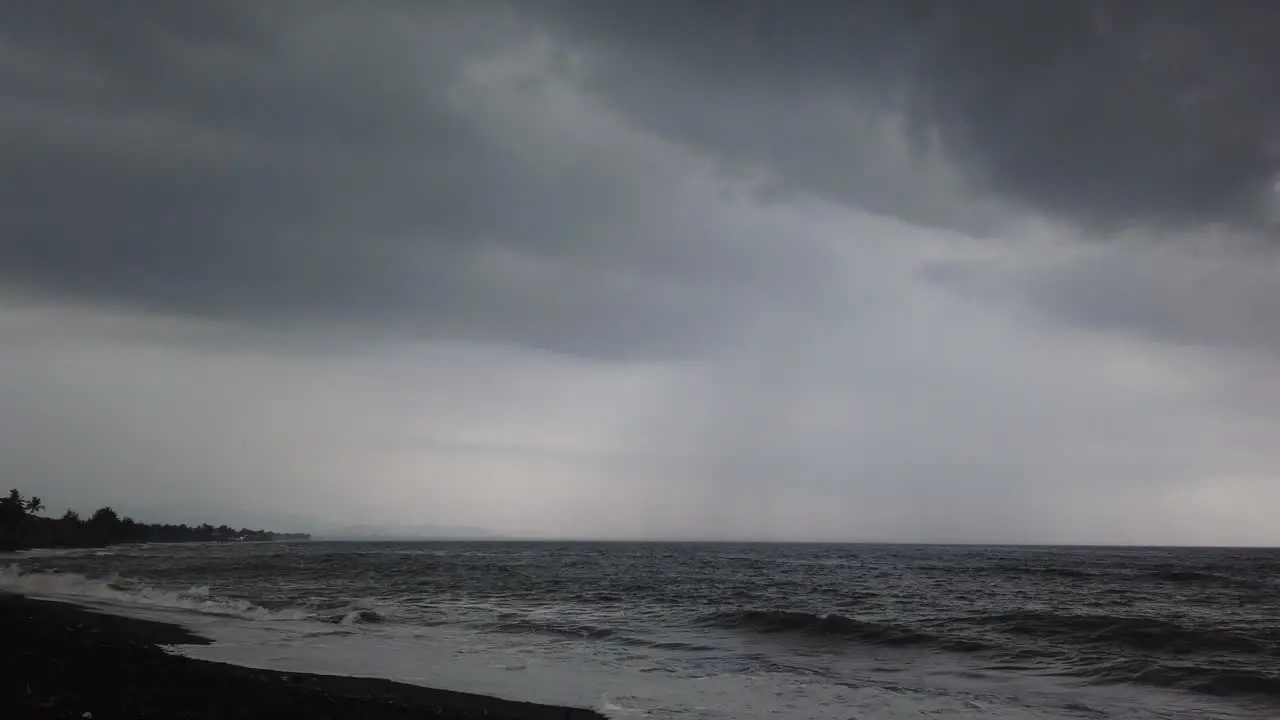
x=294, y=640
x=119, y=591
x=446, y=657
x=614, y=711
x=617, y=683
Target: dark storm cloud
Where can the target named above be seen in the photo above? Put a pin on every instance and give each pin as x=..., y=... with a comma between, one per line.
x=283, y=161
x=1153, y=113
x=302, y=161
x=154, y=158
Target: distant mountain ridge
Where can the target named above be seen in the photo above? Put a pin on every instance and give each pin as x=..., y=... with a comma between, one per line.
x=400, y=532
x=23, y=527
x=320, y=529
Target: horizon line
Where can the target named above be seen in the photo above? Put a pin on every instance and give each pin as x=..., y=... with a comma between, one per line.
x=712, y=541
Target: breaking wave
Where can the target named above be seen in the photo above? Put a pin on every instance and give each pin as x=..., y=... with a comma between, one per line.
x=519, y=626
x=1201, y=678
x=360, y=617
x=124, y=591
x=831, y=625
x=1146, y=634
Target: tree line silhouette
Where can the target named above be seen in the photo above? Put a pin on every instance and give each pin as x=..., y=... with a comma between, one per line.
x=22, y=527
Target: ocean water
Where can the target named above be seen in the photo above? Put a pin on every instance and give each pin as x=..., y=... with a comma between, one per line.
x=712, y=632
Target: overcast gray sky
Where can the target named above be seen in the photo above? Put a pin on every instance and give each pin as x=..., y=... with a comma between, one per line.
x=981, y=272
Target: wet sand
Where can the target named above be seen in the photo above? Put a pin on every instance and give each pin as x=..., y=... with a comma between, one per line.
x=62, y=661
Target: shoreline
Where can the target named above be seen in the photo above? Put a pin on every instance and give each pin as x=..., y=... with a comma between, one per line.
x=61, y=660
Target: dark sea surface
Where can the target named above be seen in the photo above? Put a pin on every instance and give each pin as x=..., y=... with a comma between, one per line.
x=728, y=631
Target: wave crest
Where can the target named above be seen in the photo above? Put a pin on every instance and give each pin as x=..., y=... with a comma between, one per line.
x=1204, y=679
x=1147, y=634
x=521, y=625
x=360, y=617
x=115, y=590
x=831, y=625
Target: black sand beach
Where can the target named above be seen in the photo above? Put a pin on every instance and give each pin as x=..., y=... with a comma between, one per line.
x=62, y=661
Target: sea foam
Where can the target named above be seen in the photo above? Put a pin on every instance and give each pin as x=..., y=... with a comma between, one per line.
x=115, y=590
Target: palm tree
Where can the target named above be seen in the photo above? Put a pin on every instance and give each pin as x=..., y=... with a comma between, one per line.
x=14, y=512
x=10, y=516
x=12, y=508
x=12, y=504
